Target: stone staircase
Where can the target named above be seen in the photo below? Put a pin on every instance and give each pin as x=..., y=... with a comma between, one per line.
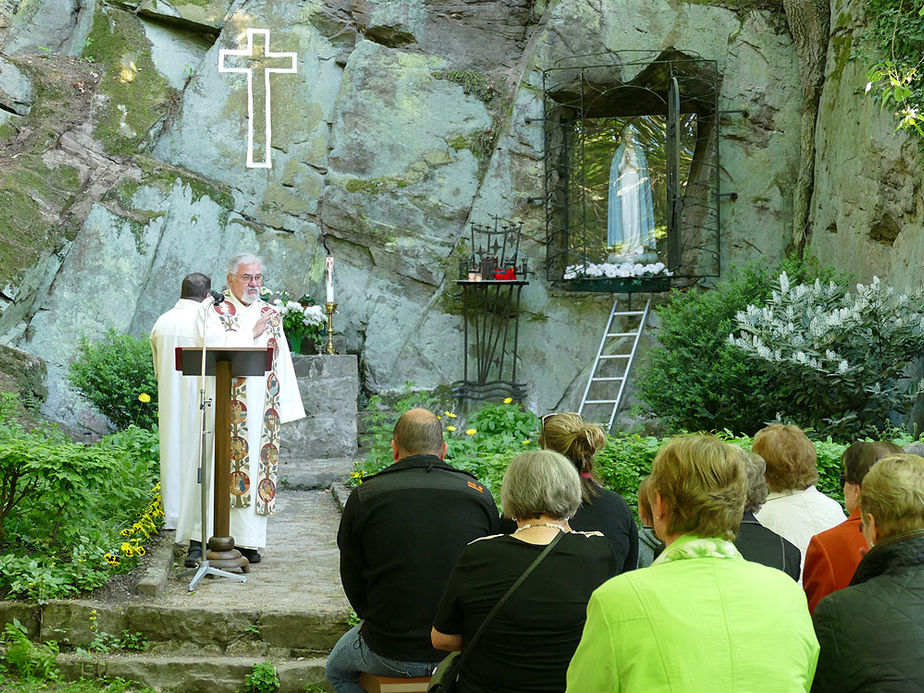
x=291, y=610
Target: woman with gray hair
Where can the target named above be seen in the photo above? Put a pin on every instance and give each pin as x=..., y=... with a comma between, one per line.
x=754, y=541
x=527, y=645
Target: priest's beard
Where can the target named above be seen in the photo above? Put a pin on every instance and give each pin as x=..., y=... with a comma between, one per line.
x=251, y=294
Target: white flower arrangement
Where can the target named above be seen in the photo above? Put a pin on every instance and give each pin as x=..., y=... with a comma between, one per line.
x=310, y=316
x=300, y=318
x=621, y=270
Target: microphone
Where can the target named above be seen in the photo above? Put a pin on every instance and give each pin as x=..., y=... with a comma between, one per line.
x=216, y=297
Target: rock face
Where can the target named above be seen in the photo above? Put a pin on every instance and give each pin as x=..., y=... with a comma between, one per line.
x=404, y=123
x=868, y=209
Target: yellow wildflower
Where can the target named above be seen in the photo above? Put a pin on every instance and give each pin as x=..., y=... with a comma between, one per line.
x=450, y=428
x=508, y=400
x=470, y=432
x=449, y=414
x=527, y=441
x=144, y=397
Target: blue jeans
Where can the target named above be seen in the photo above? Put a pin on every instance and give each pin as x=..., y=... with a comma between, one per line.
x=351, y=656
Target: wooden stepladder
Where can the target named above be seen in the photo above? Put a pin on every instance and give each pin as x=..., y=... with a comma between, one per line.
x=613, y=364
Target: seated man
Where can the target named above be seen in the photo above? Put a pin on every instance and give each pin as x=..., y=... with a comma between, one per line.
x=872, y=632
x=833, y=555
x=400, y=535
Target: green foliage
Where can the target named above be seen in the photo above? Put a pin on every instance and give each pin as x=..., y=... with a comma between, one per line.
x=896, y=79
x=693, y=379
x=839, y=358
x=107, y=643
x=482, y=444
x=64, y=506
x=116, y=375
x=379, y=417
x=263, y=678
x=624, y=462
x=30, y=660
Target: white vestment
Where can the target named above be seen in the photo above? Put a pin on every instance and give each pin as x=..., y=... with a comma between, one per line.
x=177, y=408
x=247, y=527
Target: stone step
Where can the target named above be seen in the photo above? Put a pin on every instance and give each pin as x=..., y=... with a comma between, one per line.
x=189, y=674
x=308, y=475
x=292, y=600
x=213, y=629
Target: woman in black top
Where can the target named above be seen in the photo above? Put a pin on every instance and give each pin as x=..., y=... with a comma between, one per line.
x=528, y=644
x=601, y=510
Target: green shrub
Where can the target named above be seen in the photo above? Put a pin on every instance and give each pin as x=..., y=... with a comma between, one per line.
x=66, y=508
x=116, y=375
x=693, y=379
x=839, y=357
x=622, y=464
x=482, y=443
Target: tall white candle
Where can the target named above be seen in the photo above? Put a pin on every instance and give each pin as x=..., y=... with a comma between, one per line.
x=330, y=279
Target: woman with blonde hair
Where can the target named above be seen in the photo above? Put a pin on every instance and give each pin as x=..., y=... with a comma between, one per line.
x=601, y=510
x=700, y=617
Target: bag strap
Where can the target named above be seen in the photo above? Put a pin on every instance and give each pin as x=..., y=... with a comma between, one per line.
x=513, y=588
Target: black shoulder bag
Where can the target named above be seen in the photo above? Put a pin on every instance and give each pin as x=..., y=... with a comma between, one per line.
x=447, y=673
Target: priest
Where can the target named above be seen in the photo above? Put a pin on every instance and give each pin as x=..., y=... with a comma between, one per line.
x=259, y=404
x=177, y=402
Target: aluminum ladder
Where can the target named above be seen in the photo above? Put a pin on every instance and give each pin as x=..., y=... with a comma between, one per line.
x=611, y=338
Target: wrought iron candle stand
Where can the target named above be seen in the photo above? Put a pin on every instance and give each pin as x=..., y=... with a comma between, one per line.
x=491, y=280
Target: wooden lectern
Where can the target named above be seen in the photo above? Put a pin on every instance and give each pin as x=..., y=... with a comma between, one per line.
x=224, y=363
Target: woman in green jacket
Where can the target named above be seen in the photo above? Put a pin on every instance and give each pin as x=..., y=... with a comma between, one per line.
x=700, y=618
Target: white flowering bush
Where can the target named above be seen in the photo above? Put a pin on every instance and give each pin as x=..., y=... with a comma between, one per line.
x=301, y=318
x=841, y=358
x=617, y=270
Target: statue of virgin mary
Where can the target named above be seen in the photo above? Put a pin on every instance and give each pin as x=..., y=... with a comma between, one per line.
x=630, y=214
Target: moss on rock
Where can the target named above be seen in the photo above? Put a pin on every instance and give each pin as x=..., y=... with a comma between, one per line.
x=136, y=93
x=34, y=194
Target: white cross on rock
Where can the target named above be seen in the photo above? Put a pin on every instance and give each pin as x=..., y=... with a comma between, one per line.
x=284, y=62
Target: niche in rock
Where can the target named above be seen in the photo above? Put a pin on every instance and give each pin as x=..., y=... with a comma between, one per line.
x=631, y=162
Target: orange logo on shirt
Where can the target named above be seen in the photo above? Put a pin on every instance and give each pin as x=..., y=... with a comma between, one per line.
x=472, y=484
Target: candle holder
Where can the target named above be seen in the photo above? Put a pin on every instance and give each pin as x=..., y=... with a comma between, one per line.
x=330, y=308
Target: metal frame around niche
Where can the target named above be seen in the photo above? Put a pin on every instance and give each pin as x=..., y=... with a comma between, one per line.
x=672, y=84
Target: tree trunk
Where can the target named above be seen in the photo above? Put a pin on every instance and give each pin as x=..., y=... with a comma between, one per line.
x=809, y=24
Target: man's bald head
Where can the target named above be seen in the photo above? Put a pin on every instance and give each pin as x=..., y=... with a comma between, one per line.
x=418, y=432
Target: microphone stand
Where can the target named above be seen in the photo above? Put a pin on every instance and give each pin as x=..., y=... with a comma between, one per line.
x=204, y=478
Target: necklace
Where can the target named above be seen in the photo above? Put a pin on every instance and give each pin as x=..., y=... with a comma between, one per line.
x=541, y=524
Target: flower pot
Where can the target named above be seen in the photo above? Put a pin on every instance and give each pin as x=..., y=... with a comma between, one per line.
x=302, y=344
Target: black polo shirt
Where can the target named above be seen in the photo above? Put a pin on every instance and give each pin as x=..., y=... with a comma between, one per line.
x=400, y=535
